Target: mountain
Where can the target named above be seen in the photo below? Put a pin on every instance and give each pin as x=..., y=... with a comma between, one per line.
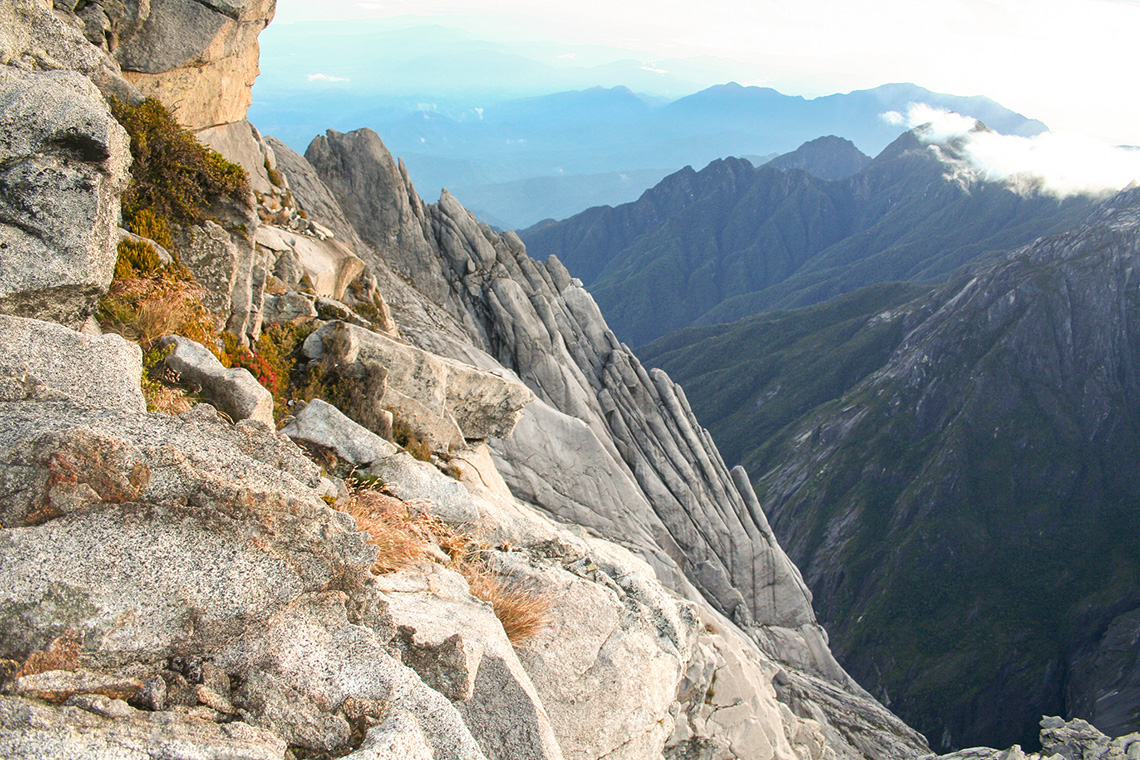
x=952, y=468
x=487, y=129
x=734, y=240
x=539, y=198
x=828, y=157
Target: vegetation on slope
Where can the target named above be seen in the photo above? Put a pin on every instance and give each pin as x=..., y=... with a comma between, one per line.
x=953, y=472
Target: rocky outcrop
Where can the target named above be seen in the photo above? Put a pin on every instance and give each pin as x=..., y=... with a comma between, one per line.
x=329, y=264
x=33, y=38
x=199, y=57
x=322, y=424
x=445, y=633
x=64, y=163
x=100, y=371
x=445, y=402
x=607, y=444
x=1071, y=740
x=112, y=728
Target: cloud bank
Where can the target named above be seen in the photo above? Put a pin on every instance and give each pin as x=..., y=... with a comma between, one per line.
x=1057, y=163
x=326, y=78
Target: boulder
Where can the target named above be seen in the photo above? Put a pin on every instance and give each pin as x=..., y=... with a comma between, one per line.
x=63, y=164
x=310, y=649
x=34, y=731
x=290, y=307
x=240, y=143
x=608, y=665
x=323, y=424
x=444, y=401
x=102, y=371
x=226, y=262
x=32, y=37
x=58, y=685
x=397, y=738
x=1061, y=740
x=234, y=391
x=330, y=264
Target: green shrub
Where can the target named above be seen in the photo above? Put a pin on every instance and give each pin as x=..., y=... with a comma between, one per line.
x=173, y=175
x=145, y=223
x=136, y=257
x=404, y=435
x=273, y=174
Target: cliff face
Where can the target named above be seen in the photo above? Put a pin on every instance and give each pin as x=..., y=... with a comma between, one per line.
x=181, y=583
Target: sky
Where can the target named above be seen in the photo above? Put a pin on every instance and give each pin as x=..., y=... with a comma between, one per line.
x=1069, y=63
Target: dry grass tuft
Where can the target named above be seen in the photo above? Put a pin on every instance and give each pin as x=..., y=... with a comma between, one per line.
x=61, y=654
x=405, y=533
x=392, y=527
x=523, y=610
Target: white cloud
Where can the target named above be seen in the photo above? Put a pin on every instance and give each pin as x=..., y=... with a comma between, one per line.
x=1057, y=163
x=326, y=78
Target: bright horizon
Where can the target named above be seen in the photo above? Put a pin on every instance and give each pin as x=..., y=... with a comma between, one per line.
x=1065, y=62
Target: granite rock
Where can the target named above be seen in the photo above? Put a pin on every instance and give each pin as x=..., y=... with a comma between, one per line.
x=63, y=164
x=32, y=730
x=234, y=390
x=201, y=58
x=102, y=371
x=324, y=425
x=445, y=401
x=458, y=643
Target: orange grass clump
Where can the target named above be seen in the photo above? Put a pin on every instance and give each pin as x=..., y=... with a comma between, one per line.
x=523, y=611
x=405, y=534
x=403, y=540
x=144, y=309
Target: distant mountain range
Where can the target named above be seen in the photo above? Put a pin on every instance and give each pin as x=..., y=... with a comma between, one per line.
x=734, y=240
x=479, y=117
x=953, y=469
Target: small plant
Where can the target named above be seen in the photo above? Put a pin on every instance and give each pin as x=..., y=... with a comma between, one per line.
x=272, y=361
x=402, y=536
x=159, y=384
x=234, y=355
x=404, y=435
x=523, y=611
x=146, y=308
x=272, y=173
x=136, y=257
x=146, y=224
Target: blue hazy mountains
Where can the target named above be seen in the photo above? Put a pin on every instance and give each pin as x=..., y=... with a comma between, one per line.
x=486, y=120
